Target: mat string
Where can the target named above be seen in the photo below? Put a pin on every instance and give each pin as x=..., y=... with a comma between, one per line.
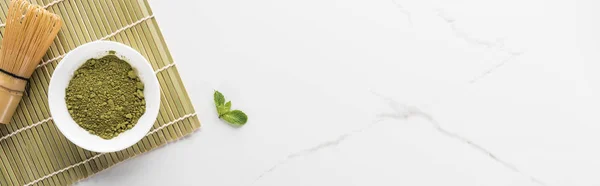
x=98, y=155
x=171, y=123
x=25, y=128
x=50, y=61
x=64, y=169
x=165, y=67
x=52, y=3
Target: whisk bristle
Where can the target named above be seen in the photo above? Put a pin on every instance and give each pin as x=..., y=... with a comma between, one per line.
x=29, y=31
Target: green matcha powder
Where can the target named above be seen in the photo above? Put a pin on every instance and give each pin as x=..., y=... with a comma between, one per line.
x=105, y=96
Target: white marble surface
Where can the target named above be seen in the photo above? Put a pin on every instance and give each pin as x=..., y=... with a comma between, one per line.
x=382, y=92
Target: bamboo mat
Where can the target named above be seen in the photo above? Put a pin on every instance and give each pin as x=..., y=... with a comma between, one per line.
x=33, y=151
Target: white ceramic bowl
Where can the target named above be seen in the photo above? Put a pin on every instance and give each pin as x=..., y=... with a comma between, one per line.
x=63, y=74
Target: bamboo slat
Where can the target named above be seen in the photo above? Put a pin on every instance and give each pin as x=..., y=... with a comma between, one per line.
x=32, y=149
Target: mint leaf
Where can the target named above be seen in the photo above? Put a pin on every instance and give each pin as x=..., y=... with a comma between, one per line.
x=235, y=117
x=219, y=98
x=222, y=109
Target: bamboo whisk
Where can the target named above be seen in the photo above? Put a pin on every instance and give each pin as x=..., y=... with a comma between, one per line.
x=29, y=31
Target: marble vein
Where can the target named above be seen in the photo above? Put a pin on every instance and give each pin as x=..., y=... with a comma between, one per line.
x=511, y=57
x=305, y=152
x=321, y=146
x=403, y=11
x=495, y=45
x=400, y=112
x=403, y=112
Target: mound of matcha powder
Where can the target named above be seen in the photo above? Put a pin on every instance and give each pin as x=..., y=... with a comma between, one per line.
x=105, y=96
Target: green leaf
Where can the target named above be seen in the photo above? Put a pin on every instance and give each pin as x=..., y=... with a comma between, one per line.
x=224, y=108
x=235, y=117
x=219, y=99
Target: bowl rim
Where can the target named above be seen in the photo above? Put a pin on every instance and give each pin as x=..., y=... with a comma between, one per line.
x=64, y=72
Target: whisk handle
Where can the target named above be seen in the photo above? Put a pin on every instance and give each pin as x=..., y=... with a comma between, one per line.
x=11, y=92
